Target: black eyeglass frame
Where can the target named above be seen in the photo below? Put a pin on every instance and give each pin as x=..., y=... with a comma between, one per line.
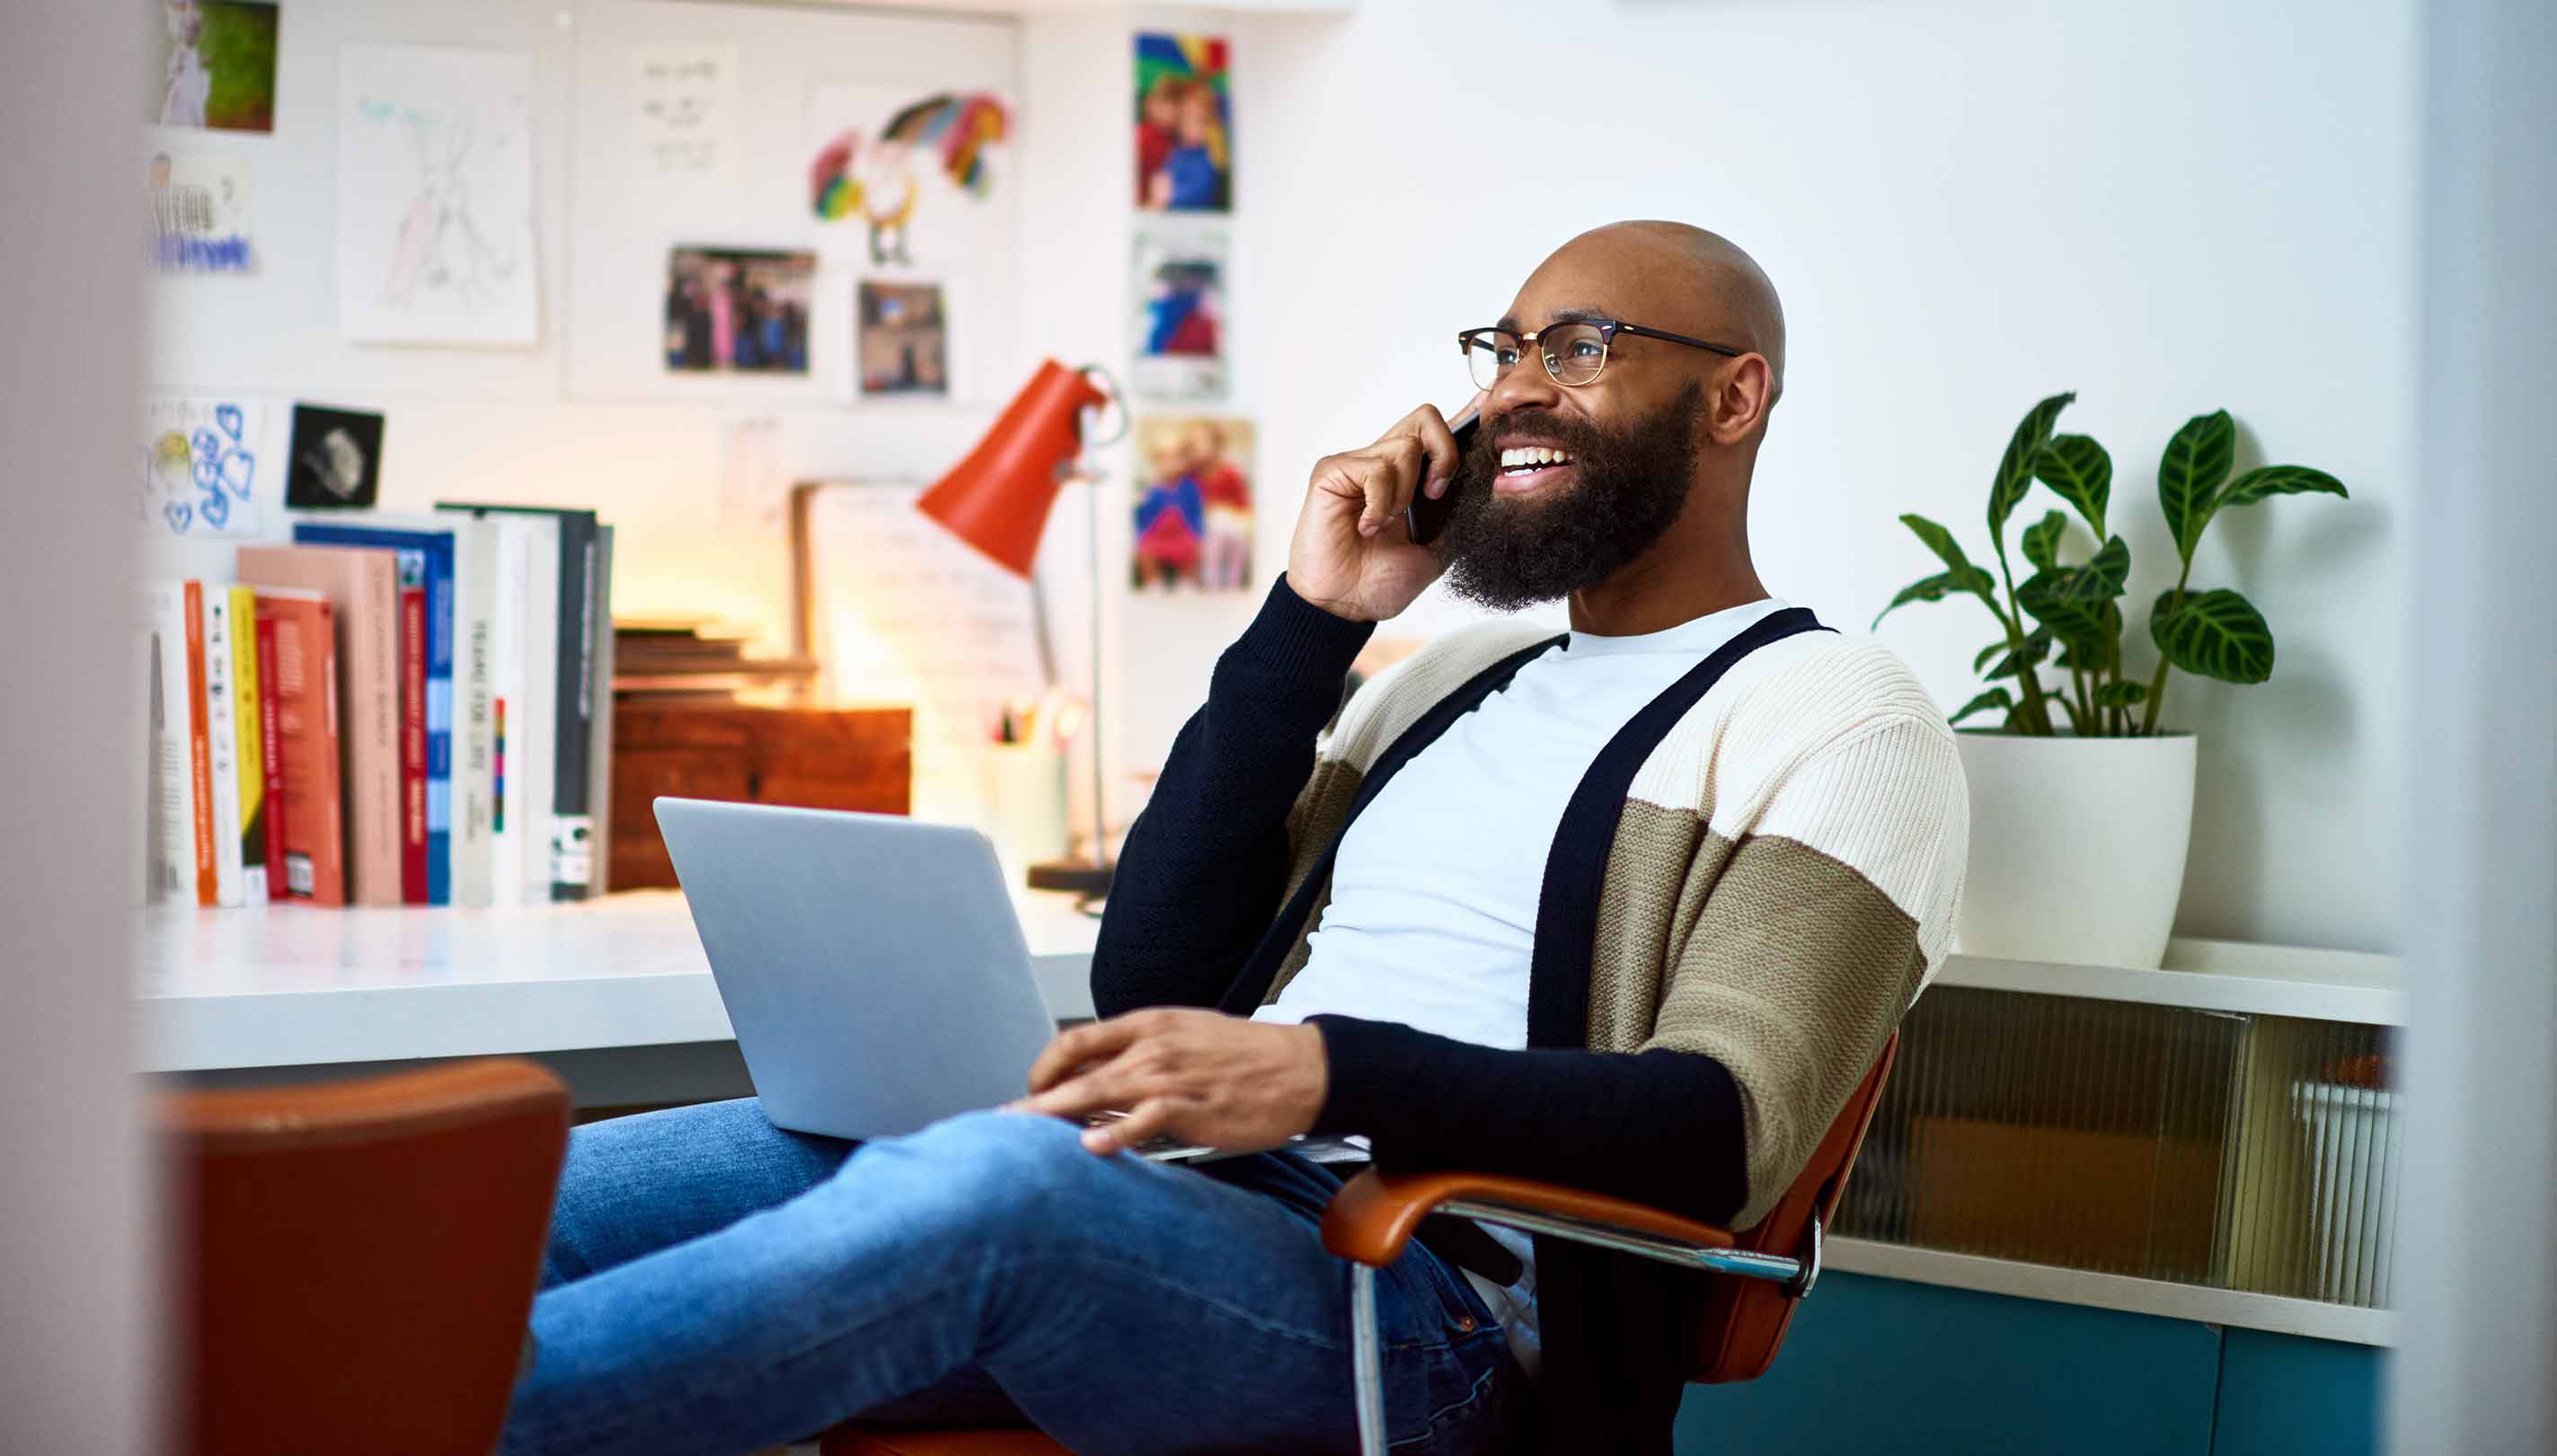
x=1607, y=328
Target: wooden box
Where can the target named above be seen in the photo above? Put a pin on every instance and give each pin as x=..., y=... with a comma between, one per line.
x=806, y=758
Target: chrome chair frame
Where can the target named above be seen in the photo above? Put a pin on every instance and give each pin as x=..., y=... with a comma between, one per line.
x=1367, y=1358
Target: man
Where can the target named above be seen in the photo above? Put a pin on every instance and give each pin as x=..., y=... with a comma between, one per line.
x=1632, y=910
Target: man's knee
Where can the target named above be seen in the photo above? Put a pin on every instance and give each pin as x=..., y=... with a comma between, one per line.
x=997, y=1171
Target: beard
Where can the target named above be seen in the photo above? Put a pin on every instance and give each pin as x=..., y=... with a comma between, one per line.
x=1629, y=485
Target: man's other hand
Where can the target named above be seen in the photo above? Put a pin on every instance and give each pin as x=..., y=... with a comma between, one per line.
x=1351, y=555
x=1202, y=1077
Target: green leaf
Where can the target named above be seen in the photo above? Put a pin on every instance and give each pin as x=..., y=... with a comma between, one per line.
x=2015, y=467
x=2121, y=694
x=2196, y=459
x=2042, y=541
x=2080, y=470
x=1994, y=699
x=2097, y=651
x=1936, y=589
x=2217, y=634
x=1942, y=542
x=2072, y=602
x=2265, y=480
x=2037, y=646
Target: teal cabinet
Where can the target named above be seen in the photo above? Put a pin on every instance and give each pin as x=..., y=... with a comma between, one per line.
x=1877, y=1364
x=2281, y=1395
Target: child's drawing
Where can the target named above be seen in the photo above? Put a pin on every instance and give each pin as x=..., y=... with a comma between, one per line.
x=877, y=167
x=201, y=472
x=435, y=221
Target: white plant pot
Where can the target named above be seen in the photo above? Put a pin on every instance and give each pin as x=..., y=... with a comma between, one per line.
x=2077, y=846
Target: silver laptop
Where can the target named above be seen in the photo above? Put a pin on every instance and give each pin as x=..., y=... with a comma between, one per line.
x=872, y=966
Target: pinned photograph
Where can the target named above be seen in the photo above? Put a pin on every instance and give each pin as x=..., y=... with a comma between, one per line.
x=336, y=459
x=904, y=340
x=216, y=65
x=1180, y=314
x=1184, y=124
x=737, y=311
x=1194, y=504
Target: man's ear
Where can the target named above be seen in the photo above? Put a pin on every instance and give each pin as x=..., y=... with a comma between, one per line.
x=1737, y=397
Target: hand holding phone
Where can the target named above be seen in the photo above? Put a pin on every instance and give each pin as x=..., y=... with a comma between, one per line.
x=1426, y=515
x=1353, y=554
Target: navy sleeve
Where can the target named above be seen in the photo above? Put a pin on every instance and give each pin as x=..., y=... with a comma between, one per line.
x=1204, y=867
x=1659, y=1127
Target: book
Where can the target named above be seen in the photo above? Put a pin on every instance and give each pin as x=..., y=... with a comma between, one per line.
x=199, y=767
x=527, y=636
x=271, y=744
x=433, y=542
x=250, y=725
x=175, y=867
x=469, y=819
x=579, y=627
x=598, y=743
x=309, y=803
x=222, y=743
x=412, y=618
x=363, y=586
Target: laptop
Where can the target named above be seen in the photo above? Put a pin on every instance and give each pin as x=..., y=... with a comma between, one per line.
x=872, y=966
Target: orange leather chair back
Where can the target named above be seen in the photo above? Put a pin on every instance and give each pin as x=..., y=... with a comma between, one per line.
x=354, y=1261
x=1745, y=1320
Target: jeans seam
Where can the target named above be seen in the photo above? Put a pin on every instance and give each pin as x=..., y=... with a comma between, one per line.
x=1439, y=1418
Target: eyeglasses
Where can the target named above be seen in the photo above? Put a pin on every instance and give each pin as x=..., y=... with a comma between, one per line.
x=1574, y=351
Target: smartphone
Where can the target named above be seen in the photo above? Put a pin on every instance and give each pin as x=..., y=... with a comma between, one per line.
x=1424, y=518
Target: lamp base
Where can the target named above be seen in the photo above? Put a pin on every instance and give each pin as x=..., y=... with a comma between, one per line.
x=1082, y=876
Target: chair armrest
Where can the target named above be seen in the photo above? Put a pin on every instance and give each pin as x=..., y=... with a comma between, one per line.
x=1373, y=1215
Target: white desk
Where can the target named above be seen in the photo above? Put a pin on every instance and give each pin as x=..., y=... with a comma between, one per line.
x=291, y=986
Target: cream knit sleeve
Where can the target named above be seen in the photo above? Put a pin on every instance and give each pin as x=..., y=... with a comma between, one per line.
x=1829, y=913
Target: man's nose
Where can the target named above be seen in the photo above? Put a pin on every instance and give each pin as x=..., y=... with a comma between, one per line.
x=1527, y=385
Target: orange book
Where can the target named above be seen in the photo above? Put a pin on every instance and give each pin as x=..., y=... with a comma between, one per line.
x=363, y=587
x=200, y=749
x=305, y=809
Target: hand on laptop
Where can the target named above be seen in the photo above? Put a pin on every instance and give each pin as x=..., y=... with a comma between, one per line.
x=1204, y=1077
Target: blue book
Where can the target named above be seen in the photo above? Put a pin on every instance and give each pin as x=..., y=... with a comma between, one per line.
x=436, y=549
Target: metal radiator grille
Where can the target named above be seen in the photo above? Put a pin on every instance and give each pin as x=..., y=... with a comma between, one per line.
x=2204, y=1147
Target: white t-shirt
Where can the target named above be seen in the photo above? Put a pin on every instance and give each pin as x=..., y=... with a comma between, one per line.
x=1431, y=921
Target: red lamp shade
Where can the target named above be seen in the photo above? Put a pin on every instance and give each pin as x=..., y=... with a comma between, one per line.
x=998, y=498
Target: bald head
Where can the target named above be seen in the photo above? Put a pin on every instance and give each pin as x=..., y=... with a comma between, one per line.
x=1683, y=279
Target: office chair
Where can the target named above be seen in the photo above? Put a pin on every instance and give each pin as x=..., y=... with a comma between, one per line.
x=354, y=1261
x=1769, y=1267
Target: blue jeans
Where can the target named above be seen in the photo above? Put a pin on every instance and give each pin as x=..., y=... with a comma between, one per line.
x=716, y=1284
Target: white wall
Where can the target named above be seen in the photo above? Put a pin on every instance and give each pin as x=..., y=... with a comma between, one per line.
x=2168, y=205
x=77, y=1265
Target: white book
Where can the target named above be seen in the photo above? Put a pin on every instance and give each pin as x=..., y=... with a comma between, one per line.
x=171, y=832
x=532, y=750
x=506, y=712
x=474, y=729
x=222, y=737
x=523, y=663
x=598, y=751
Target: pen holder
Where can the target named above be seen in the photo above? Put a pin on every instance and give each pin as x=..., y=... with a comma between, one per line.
x=1030, y=819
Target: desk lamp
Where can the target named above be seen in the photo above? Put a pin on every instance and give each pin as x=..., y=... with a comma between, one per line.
x=998, y=500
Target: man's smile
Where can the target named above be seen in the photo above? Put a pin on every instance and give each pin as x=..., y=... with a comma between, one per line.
x=1530, y=466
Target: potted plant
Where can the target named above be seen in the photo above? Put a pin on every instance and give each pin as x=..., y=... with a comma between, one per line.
x=2082, y=805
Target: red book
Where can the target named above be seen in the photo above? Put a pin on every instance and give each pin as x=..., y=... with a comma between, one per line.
x=200, y=749
x=302, y=626
x=412, y=634
x=274, y=742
